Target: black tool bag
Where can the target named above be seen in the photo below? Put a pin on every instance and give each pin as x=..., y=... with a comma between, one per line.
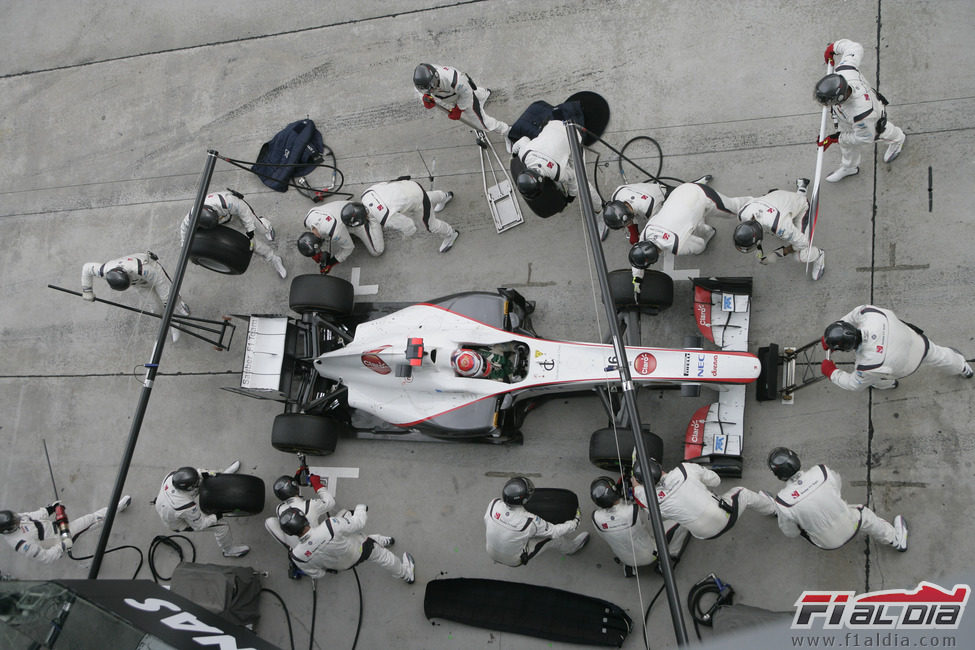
x=294, y=151
x=233, y=593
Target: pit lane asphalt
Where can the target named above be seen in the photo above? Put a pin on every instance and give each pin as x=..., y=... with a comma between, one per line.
x=108, y=110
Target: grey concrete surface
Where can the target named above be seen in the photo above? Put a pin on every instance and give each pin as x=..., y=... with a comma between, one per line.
x=107, y=110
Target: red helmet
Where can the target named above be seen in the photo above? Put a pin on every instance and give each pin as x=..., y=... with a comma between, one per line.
x=468, y=363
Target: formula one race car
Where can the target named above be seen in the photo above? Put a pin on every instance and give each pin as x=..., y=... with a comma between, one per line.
x=375, y=370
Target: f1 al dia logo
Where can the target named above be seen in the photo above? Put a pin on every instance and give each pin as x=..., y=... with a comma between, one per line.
x=926, y=607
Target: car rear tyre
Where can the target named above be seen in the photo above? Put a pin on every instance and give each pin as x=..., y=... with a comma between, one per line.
x=221, y=249
x=656, y=292
x=323, y=294
x=554, y=505
x=316, y=435
x=603, y=450
x=232, y=495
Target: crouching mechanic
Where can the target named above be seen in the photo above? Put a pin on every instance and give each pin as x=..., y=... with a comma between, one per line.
x=679, y=228
x=783, y=214
x=393, y=203
x=887, y=349
x=684, y=497
x=140, y=270
x=35, y=534
x=811, y=505
x=860, y=111
x=547, y=156
x=287, y=489
x=338, y=544
x=177, y=506
x=457, y=91
x=332, y=226
x=515, y=536
x=618, y=523
x=630, y=201
x=219, y=208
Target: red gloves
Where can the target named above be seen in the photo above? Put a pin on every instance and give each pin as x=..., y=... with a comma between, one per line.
x=316, y=482
x=828, y=54
x=828, y=140
x=827, y=367
x=822, y=341
x=428, y=101
x=454, y=113
x=634, y=233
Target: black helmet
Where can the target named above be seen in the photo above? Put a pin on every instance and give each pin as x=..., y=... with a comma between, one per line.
x=293, y=522
x=285, y=487
x=425, y=77
x=309, y=244
x=118, y=279
x=186, y=478
x=832, y=89
x=529, y=184
x=783, y=462
x=604, y=492
x=643, y=254
x=517, y=491
x=9, y=521
x=617, y=214
x=748, y=235
x=208, y=219
x=842, y=336
x=655, y=471
x=354, y=214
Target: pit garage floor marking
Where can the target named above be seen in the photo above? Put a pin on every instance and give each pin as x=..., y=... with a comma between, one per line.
x=362, y=289
x=685, y=274
x=333, y=474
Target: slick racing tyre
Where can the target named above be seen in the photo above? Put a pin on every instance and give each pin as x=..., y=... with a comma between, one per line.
x=316, y=435
x=232, y=495
x=656, y=292
x=221, y=249
x=554, y=505
x=322, y=293
x=603, y=451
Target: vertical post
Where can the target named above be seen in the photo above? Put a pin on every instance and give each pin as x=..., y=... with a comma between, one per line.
x=152, y=368
x=628, y=388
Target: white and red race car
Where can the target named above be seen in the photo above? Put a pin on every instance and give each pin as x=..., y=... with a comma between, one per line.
x=345, y=368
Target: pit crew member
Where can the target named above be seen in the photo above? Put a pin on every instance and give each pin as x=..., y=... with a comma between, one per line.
x=393, y=203
x=458, y=92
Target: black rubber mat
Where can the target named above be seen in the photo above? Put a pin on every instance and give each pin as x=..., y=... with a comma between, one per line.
x=531, y=610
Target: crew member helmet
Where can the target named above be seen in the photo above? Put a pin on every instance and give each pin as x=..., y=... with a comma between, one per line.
x=748, y=235
x=842, y=336
x=604, y=492
x=9, y=521
x=655, y=471
x=783, y=462
x=293, y=522
x=832, y=89
x=118, y=279
x=425, y=77
x=643, y=254
x=186, y=478
x=309, y=244
x=285, y=487
x=529, y=183
x=353, y=214
x=617, y=214
x=517, y=491
x=468, y=363
x=208, y=219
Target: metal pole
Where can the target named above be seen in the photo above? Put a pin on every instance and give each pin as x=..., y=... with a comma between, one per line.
x=628, y=388
x=152, y=368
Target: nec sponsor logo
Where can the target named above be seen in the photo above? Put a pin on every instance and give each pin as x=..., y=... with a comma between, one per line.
x=926, y=607
x=700, y=364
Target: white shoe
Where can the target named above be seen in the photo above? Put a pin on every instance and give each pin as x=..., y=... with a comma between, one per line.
x=900, y=527
x=441, y=206
x=410, y=567
x=234, y=467
x=175, y=333
x=704, y=180
x=580, y=542
x=967, y=372
x=801, y=185
x=279, y=267
x=893, y=151
x=448, y=242
x=710, y=230
x=842, y=173
x=819, y=266
x=183, y=309
x=124, y=502
x=383, y=540
x=236, y=551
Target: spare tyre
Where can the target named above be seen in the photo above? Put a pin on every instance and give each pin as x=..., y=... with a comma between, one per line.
x=221, y=249
x=232, y=495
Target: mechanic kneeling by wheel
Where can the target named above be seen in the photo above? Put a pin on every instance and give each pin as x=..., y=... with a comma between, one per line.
x=178, y=507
